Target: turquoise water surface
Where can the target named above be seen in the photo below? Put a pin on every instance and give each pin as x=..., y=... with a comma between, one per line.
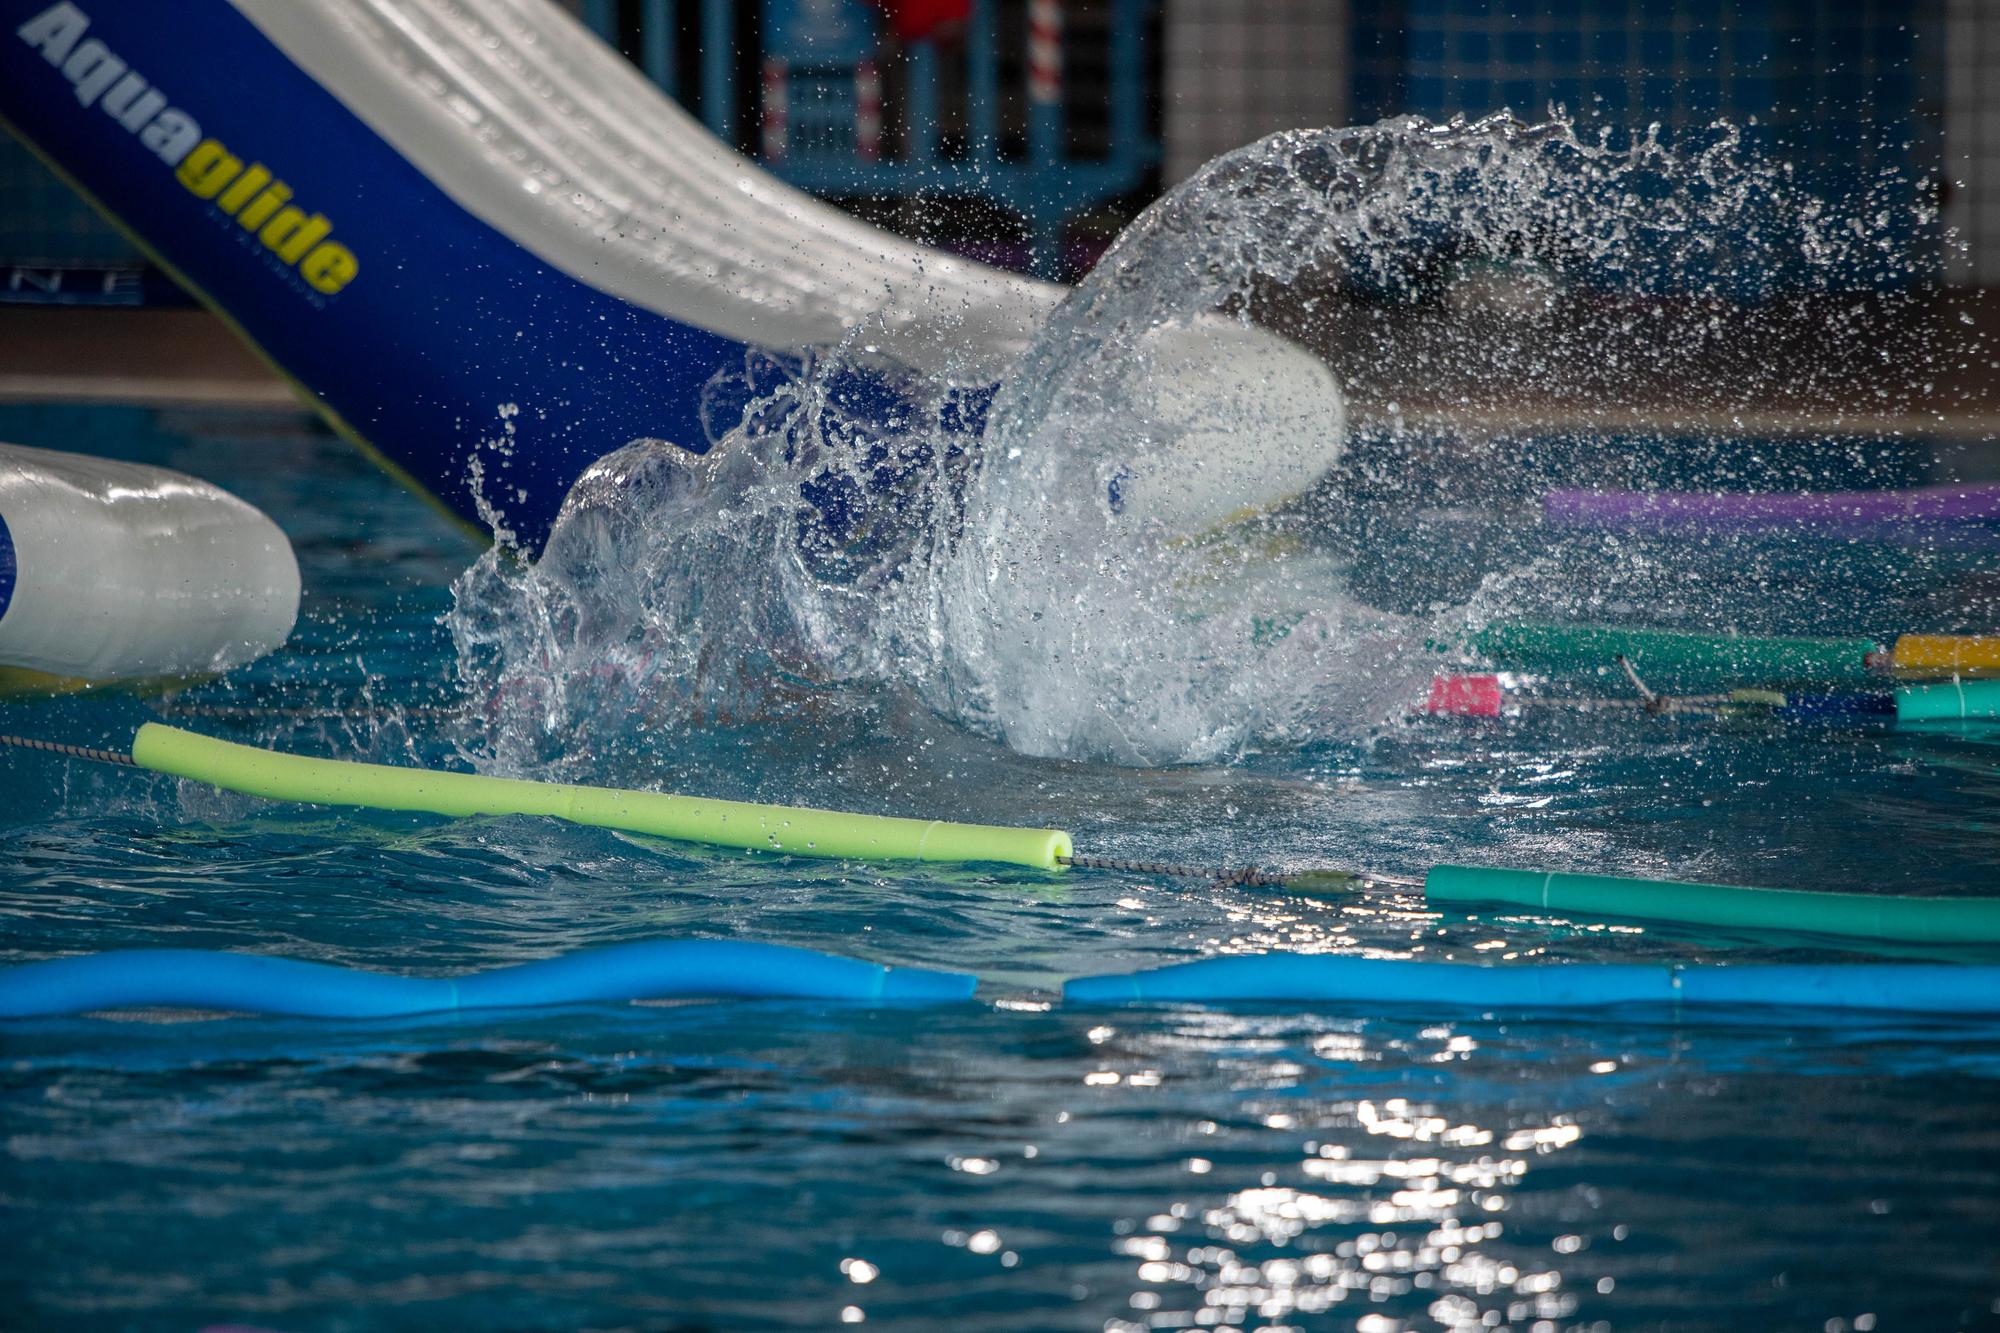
x=1006, y=1163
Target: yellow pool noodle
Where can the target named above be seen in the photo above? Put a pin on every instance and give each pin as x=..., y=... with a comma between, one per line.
x=1946, y=654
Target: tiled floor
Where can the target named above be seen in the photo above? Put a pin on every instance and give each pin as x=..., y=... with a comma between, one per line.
x=136, y=356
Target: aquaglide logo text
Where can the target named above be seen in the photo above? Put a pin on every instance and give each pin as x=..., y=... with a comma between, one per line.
x=253, y=195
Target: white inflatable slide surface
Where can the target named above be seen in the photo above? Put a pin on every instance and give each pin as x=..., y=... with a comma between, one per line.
x=535, y=126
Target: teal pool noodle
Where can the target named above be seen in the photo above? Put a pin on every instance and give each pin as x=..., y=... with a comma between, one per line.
x=1870, y=916
x=647, y=970
x=1344, y=979
x=1679, y=658
x=1948, y=701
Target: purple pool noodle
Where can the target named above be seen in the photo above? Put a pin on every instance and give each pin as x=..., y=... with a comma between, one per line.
x=1830, y=510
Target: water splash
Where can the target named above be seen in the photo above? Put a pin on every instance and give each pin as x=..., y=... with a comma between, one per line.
x=1141, y=547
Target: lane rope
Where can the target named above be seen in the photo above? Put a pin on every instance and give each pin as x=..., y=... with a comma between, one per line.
x=94, y=755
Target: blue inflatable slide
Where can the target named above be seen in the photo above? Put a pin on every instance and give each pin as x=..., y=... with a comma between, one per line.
x=442, y=220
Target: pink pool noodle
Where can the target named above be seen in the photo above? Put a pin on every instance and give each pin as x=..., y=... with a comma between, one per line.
x=1465, y=696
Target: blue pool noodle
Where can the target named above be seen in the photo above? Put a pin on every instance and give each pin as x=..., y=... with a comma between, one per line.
x=1283, y=977
x=1835, y=707
x=651, y=969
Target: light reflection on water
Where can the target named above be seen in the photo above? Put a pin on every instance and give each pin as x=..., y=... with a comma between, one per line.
x=1248, y=1170
x=1457, y=1209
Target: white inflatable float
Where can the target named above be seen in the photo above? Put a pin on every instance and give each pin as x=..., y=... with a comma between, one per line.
x=119, y=572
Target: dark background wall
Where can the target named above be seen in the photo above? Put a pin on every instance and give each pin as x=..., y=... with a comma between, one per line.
x=1897, y=96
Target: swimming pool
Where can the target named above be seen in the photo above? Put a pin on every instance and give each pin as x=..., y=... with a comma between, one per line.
x=1006, y=1163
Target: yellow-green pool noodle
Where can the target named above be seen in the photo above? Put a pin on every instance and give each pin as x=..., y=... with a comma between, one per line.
x=1856, y=915
x=772, y=828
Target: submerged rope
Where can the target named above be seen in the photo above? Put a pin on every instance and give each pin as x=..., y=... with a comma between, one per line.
x=1320, y=878
x=1246, y=876
x=1655, y=704
x=91, y=753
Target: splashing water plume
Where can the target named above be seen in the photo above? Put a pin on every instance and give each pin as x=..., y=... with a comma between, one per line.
x=1134, y=549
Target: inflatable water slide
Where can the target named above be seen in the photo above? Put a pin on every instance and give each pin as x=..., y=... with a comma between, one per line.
x=490, y=252
x=436, y=216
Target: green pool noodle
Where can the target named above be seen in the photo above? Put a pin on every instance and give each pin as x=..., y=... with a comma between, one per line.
x=1675, y=656
x=1856, y=915
x=795, y=830
x=1948, y=700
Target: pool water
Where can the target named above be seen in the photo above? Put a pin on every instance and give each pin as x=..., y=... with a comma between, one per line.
x=1007, y=1163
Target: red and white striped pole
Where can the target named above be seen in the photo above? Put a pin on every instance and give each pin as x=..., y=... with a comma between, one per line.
x=868, y=111
x=777, y=109
x=1045, y=130
x=1045, y=52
